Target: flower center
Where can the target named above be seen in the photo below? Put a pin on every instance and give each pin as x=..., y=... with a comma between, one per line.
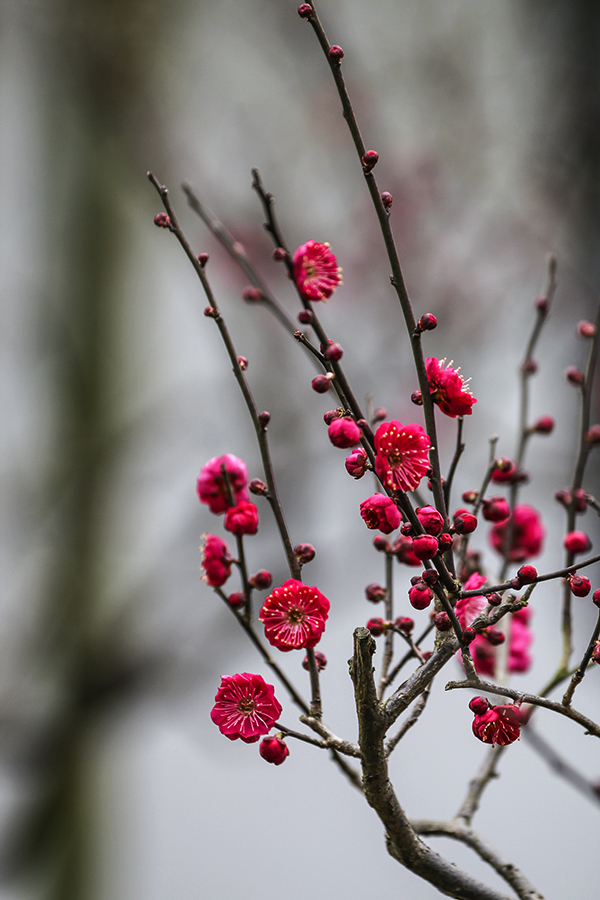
x=310, y=269
x=295, y=615
x=395, y=458
x=247, y=706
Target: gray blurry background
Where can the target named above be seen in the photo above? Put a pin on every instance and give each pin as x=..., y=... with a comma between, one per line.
x=115, y=390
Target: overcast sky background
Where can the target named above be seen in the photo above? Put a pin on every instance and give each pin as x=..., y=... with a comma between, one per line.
x=114, y=783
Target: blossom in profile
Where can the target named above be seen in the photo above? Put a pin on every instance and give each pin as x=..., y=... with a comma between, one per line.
x=402, y=455
x=381, y=512
x=274, y=750
x=448, y=389
x=527, y=534
x=216, y=560
x=357, y=463
x=211, y=488
x=245, y=707
x=242, y=519
x=316, y=271
x=294, y=615
x=498, y=724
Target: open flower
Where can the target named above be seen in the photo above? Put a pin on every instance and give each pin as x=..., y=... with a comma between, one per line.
x=527, y=534
x=498, y=724
x=448, y=389
x=245, y=708
x=211, y=488
x=402, y=455
x=316, y=271
x=216, y=560
x=294, y=615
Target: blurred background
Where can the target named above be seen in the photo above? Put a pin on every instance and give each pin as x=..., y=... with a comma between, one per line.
x=114, y=783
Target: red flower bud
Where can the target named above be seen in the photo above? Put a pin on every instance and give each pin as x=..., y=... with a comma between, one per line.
x=304, y=553
x=210, y=312
x=242, y=519
x=495, y=509
x=334, y=352
x=464, y=522
x=494, y=599
x=564, y=497
x=444, y=542
x=320, y=661
x=544, y=425
x=242, y=363
x=579, y=585
x=387, y=200
x=376, y=626
x=370, y=159
x=203, y=259
x=161, y=220
x=261, y=580
x=430, y=577
x=403, y=549
x=471, y=497
x=576, y=542
x=469, y=634
x=527, y=574
x=335, y=53
x=504, y=471
x=420, y=595
x=258, y=487
x=279, y=254
x=357, y=463
x=442, y=621
x=529, y=366
x=427, y=322
x=541, y=304
x=375, y=593
x=404, y=624
x=379, y=415
x=321, y=383
x=575, y=375
x=344, y=433
x=494, y=636
x=264, y=418
x=305, y=10
x=586, y=329
x=596, y=652
x=596, y=598
x=306, y=316
x=273, y=750
x=479, y=705
x=252, y=294
x=237, y=599
x=425, y=546
x=417, y=398
x=381, y=544
x=592, y=435
x=431, y=520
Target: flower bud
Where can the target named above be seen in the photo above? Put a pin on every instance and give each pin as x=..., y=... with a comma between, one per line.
x=431, y=520
x=586, y=329
x=575, y=375
x=464, y=522
x=529, y=366
x=387, y=200
x=264, y=418
x=404, y=624
x=305, y=10
x=376, y=626
x=494, y=599
x=427, y=322
x=471, y=497
x=258, y=487
x=402, y=548
x=279, y=254
x=442, y=621
x=335, y=53
x=576, y=542
x=544, y=425
x=252, y=294
x=516, y=583
x=469, y=634
x=379, y=415
x=495, y=509
x=242, y=363
x=407, y=529
x=370, y=159
x=261, y=580
x=541, y=304
x=237, y=599
x=479, y=705
x=494, y=636
x=334, y=352
x=416, y=578
x=579, y=585
x=596, y=598
x=417, y=398
x=430, y=577
x=273, y=750
x=161, y=220
x=344, y=433
x=592, y=435
x=444, y=542
x=304, y=553
x=320, y=661
x=504, y=471
x=565, y=497
x=306, y=316
x=203, y=259
x=332, y=414
x=381, y=544
x=357, y=463
x=420, y=595
x=375, y=593
x=425, y=546
x=321, y=383
x=527, y=574
x=210, y=312
x=596, y=652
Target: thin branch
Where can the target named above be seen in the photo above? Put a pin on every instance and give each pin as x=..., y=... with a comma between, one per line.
x=478, y=784
x=581, y=669
x=392, y=743
x=458, y=452
x=331, y=740
x=388, y=651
